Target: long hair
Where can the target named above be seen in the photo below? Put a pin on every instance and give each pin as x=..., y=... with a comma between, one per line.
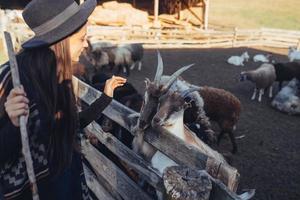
x=50, y=72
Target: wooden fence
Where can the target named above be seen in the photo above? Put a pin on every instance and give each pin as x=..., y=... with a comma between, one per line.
x=110, y=182
x=196, y=38
x=170, y=37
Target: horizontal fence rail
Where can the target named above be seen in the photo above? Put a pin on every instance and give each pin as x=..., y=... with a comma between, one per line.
x=196, y=38
x=173, y=37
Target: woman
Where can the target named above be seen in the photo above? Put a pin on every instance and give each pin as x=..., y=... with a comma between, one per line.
x=47, y=99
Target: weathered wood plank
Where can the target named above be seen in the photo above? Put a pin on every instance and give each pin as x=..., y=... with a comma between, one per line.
x=186, y=183
x=95, y=186
x=179, y=151
x=128, y=156
x=116, y=178
x=115, y=111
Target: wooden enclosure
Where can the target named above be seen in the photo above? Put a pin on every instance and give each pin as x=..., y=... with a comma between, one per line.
x=110, y=182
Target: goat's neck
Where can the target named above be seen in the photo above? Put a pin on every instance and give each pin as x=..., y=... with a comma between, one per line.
x=177, y=127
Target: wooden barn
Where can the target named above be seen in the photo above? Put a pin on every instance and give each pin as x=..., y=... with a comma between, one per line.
x=196, y=10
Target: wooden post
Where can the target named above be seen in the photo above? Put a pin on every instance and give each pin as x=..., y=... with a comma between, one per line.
x=234, y=36
x=183, y=183
x=298, y=45
x=156, y=11
x=2, y=29
x=179, y=9
x=22, y=119
x=205, y=13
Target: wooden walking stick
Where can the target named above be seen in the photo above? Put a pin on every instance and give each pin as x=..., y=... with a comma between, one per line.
x=23, y=123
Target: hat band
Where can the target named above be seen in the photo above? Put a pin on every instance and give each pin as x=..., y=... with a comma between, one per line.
x=57, y=20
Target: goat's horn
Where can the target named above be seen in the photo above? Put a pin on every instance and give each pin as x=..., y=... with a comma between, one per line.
x=175, y=76
x=159, y=69
x=190, y=90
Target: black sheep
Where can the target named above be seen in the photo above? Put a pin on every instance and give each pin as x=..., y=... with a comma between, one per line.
x=287, y=71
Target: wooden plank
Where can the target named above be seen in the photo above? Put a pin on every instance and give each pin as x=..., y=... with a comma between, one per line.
x=116, y=178
x=128, y=156
x=95, y=186
x=115, y=111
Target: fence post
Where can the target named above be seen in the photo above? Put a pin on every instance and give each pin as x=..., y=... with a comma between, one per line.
x=298, y=45
x=3, y=24
x=234, y=36
x=186, y=183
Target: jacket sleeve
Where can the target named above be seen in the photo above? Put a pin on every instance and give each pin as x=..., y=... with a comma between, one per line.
x=94, y=111
x=10, y=138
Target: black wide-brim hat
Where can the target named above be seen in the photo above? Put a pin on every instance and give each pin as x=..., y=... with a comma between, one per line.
x=54, y=20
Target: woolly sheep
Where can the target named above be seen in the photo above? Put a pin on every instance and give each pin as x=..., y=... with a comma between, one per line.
x=286, y=71
x=293, y=54
x=262, y=58
x=122, y=56
x=222, y=107
x=288, y=99
x=239, y=60
x=263, y=77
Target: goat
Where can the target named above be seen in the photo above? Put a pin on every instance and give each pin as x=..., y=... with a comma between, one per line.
x=262, y=58
x=170, y=116
x=263, y=77
x=238, y=60
x=154, y=90
x=121, y=56
x=224, y=108
x=293, y=54
x=286, y=72
x=219, y=105
x=137, y=53
x=288, y=99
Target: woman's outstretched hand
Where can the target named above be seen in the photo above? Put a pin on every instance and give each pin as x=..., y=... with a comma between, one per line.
x=16, y=105
x=112, y=83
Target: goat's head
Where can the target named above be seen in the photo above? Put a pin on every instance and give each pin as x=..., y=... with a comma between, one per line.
x=154, y=91
x=95, y=55
x=246, y=56
x=171, y=107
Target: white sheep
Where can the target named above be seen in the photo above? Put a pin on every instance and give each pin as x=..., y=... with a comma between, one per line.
x=293, y=54
x=263, y=77
x=288, y=99
x=262, y=58
x=239, y=60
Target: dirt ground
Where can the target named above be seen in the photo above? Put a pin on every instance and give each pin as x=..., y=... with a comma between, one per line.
x=268, y=157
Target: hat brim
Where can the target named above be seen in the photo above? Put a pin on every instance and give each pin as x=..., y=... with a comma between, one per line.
x=65, y=29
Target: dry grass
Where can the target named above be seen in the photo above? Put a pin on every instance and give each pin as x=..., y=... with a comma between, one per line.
x=282, y=14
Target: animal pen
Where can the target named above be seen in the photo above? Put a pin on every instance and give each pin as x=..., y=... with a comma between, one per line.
x=109, y=182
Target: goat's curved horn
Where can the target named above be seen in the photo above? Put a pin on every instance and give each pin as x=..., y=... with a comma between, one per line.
x=159, y=69
x=190, y=90
x=175, y=76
